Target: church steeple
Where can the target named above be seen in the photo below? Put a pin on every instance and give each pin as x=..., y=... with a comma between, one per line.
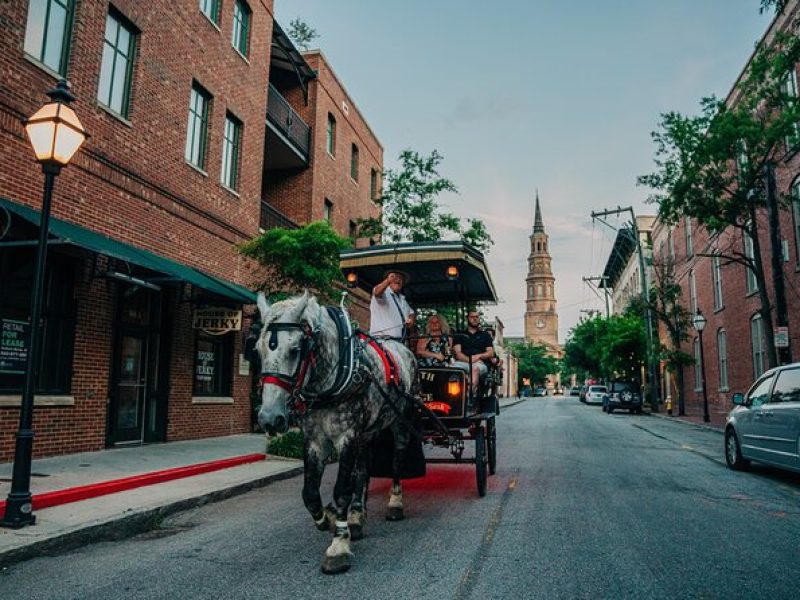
x=538, y=224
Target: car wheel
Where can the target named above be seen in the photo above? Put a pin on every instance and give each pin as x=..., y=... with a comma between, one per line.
x=610, y=410
x=733, y=452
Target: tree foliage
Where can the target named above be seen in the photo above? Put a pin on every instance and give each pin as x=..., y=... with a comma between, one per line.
x=301, y=33
x=533, y=363
x=307, y=257
x=613, y=347
x=776, y=5
x=411, y=209
x=712, y=166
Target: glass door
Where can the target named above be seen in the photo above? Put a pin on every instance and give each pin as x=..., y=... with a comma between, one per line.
x=131, y=385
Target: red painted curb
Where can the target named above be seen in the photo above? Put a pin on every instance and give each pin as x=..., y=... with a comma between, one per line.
x=93, y=490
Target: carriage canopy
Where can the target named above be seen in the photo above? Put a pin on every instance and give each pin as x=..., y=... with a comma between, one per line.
x=429, y=265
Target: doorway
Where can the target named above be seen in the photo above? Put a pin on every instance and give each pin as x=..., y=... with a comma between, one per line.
x=139, y=379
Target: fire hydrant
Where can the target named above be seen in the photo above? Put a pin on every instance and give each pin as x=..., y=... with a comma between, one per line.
x=668, y=403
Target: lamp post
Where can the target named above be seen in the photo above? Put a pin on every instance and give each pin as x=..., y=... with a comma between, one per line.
x=699, y=323
x=55, y=134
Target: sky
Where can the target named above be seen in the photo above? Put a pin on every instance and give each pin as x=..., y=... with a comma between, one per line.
x=519, y=95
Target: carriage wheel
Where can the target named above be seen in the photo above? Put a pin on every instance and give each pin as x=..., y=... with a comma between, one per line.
x=480, y=459
x=491, y=444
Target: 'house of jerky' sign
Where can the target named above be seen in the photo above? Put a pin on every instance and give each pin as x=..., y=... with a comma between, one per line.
x=217, y=321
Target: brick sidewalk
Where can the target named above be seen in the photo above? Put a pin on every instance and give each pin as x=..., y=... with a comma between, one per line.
x=717, y=421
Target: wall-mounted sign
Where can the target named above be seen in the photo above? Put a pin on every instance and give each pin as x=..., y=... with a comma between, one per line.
x=217, y=321
x=14, y=337
x=782, y=337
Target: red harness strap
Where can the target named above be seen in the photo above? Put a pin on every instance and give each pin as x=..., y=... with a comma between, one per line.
x=391, y=367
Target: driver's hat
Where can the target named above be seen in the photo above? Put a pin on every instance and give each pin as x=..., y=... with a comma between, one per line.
x=406, y=277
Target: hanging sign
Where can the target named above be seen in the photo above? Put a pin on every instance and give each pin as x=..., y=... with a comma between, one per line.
x=14, y=336
x=781, y=337
x=217, y=321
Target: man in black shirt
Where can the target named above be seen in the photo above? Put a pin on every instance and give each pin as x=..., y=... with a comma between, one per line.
x=475, y=344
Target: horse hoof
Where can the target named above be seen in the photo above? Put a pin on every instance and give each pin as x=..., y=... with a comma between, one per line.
x=395, y=514
x=324, y=525
x=336, y=564
x=356, y=531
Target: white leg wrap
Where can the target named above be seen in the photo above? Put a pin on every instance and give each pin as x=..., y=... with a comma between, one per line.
x=396, y=500
x=339, y=546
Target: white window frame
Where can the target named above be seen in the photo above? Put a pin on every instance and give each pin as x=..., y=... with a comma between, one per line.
x=197, y=128
x=692, y=292
x=231, y=152
x=722, y=354
x=758, y=345
x=698, y=365
x=790, y=89
x=751, y=285
x=689, y=237
x=716, y=275
x=113, y=92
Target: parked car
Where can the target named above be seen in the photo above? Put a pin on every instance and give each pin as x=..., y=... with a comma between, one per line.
x=625, y=395
x=540, y=391
x=595, y=394
x=558, y=391
x=764, y=425
x=582, y=395
x=575, y=390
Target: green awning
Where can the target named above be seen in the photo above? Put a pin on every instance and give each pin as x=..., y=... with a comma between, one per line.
x=70, y=233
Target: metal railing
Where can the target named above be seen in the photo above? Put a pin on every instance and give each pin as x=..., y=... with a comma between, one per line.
x=271, y=218
x=281, y=114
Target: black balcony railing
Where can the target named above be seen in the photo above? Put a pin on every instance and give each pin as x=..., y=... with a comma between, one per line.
x=282, y=115
x=272, y=218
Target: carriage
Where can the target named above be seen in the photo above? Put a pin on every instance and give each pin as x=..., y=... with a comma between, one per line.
x=451, y=276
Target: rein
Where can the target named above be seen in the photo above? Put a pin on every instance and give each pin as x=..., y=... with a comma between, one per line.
x=292, y=383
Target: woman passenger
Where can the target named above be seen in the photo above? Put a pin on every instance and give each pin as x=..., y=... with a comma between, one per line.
x=434, y=348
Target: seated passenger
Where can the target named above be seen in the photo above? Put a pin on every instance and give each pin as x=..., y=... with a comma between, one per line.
x=475, y=345
x=434, y=348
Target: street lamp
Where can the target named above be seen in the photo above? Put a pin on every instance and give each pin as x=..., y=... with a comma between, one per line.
x=699, y=323
x=55, y=134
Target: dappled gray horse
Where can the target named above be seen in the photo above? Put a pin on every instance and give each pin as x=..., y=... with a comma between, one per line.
x=344, y=389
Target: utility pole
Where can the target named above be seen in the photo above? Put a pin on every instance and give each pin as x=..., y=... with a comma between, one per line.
x=602, y=279
x=648, y=314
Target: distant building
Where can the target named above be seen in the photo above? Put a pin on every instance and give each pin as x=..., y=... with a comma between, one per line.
x=622, y=273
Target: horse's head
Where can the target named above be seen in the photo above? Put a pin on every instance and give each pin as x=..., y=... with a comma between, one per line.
x=286, y=349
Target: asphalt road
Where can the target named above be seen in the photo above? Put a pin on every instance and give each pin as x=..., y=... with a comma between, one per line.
x=584, y=505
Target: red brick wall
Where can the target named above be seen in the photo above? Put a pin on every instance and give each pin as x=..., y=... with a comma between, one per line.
x=131, y=182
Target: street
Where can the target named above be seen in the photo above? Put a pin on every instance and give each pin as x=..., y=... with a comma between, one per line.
x=584, y=505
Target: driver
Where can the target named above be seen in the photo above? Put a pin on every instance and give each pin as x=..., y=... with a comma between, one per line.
x=390, y=314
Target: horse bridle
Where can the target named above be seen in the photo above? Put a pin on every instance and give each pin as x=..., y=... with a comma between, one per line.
x=292, y=383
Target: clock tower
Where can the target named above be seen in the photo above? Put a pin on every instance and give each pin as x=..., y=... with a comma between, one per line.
x=541, y=318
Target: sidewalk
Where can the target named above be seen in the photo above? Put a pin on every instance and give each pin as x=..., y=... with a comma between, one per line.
x=716, y=423
x=112, y=494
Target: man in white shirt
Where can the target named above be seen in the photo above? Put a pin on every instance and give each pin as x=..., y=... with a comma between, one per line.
x=390, y=314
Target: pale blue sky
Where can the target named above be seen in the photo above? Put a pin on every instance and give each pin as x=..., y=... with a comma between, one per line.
x=517, y=95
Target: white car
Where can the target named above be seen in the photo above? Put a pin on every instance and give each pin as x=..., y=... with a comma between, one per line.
x=595, y=393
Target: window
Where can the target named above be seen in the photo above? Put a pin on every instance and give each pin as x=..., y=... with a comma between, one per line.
x=373, y=184
x=749, y=252
x=354, y=163
x=331, y=139
x=539, y=290
x=231, y=150
x=787, y=386
x=671, y=241
x=353, y=230
x=760, y=392
x=58, y=316
x=790, y=89
x=716, y=275
x=698, y=366
x=213, y=364
x=692, y=292
x=688, y=234
x=197, y=131
x=210, y=8
x=241, y=27
x=742, y=158
x=722, y=354
x=47, y=34
x=759, y=346
x=116, y=70
x=327, y=210
x=796, y=217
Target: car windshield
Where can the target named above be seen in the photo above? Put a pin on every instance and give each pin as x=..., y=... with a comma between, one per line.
x=598, y=388
x=621, y=386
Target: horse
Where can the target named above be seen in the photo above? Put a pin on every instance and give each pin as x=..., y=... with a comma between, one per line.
x=343, y=389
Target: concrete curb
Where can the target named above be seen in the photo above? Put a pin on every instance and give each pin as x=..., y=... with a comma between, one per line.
x=124, y=526
x=674, y=419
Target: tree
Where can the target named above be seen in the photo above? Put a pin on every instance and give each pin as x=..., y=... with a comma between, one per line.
x=411, y=211
x=712, y=167
x=534, y=363
x=777, y=5
x=613, y=347
x=307, y=257
x=301, y=33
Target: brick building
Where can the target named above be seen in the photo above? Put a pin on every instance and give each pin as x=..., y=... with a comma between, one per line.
x=146, y=218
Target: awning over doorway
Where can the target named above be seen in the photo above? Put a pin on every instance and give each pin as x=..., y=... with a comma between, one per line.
x=69, y=233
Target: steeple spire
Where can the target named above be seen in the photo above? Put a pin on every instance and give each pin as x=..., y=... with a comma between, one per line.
x=538, y=225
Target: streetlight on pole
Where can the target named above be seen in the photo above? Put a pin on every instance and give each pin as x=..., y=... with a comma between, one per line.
x=699, y=323
x=56, y=134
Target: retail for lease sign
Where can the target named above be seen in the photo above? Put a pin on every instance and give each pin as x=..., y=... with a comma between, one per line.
x=13, y=346
x=217, y=321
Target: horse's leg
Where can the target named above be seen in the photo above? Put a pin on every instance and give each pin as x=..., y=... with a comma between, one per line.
x=338, y=555
x=357, y=517
x=395, y=509
x=314, y=467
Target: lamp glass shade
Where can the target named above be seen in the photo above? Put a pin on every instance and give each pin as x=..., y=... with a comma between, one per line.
x=352, y=279
x=699, y=322
x=452, y=272
x=56, y=133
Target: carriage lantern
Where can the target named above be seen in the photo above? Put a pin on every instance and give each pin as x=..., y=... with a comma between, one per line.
x=56, y=134
x=352, y=279
x=454, y=386
x=452, y=272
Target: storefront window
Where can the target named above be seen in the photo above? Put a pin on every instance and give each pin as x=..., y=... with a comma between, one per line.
x=213, y=365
